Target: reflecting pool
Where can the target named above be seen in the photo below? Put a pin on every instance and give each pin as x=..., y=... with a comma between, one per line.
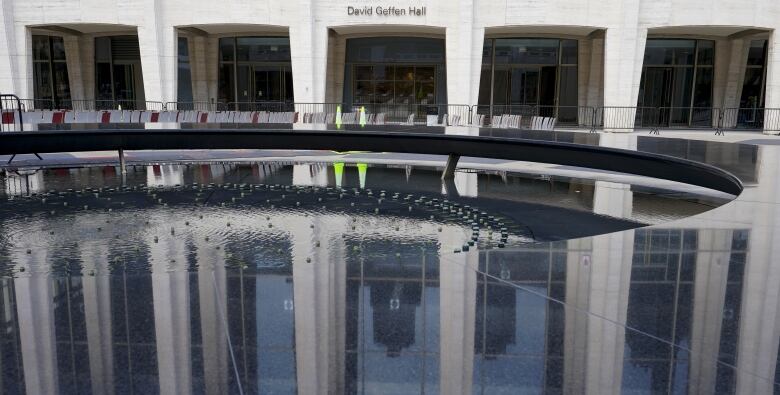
x=354, y=278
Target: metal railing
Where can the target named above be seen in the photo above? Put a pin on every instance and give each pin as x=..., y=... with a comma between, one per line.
x=607, y=118
x=193, y=106
x=11, y=109
x=91, y=105
x=566, y=116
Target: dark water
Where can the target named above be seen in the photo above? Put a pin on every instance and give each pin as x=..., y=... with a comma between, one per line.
x=284, y=278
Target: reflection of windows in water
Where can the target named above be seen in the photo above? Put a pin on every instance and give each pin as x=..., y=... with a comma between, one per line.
x=497, y=306
x=664, y=274
x=394, y=306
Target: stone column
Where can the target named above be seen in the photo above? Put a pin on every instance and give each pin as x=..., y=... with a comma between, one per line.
x=709, y=294
x=212, y=68
x=87, y=64
x=159, y=55
x=464, y=44
x=199, y=64
x=624, y=49
x=337, y=52
x=591, y=70
x=7, y=48
x=16, y=74
x=73, y=60
x=730, y=60
x=772, y=93
x=309, y=55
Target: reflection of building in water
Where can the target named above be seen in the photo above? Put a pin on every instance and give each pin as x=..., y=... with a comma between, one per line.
x=164, y=175
x=686, y=288
x=497, y=307
x=360, y=319
x=518, y=335
x=394, y=306
x=22, y=182
x=391, y=316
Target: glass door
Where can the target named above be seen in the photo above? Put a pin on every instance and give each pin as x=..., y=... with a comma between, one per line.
x=268, y=84
x=656, y=92
x=124, y=85
x=524, y=86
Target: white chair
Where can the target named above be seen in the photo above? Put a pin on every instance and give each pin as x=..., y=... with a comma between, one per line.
x=550, y=123
x=47, y=116
x=135, y=117
x=85, y=116
x=409, y=120
x=32, y=117
x=69, y=117
x=516, y=121
x=537, y=123
x=114, y=116
x=477, y=120
x=189, y=116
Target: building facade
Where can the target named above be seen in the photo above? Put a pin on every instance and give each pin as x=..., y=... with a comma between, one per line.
x=684, y=56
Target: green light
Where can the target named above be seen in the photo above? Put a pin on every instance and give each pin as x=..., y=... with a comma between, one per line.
x=338, y=169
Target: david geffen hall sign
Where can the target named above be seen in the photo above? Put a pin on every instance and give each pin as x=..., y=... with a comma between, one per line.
x=386, y=11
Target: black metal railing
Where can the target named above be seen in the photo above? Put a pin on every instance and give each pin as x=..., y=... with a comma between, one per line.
x=565, y=116
x=654, y=119
x=11, y=113
x=91, y=105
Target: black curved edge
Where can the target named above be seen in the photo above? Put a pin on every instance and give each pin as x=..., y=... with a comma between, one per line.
x=567, y=154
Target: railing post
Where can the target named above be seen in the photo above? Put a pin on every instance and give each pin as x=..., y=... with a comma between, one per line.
x=719, y=127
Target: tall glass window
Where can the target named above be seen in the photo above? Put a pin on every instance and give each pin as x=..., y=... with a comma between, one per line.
x=753, y=87
x=529, y=76
x=752, y=98
x=389, y=71
x=184, y=86
x=118, y=76
x=50, y=72
x=255, y=72
x=677, y=80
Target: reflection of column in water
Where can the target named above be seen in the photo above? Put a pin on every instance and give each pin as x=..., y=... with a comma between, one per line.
x=35, y=312
x=212, y=296
x=596, y=281
x=709, y=293
x=97, y=314
x=319, y=277
x=171, y=298
x=457, y=313
x=164, y=175
x=310, y=174
x=757, y=345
